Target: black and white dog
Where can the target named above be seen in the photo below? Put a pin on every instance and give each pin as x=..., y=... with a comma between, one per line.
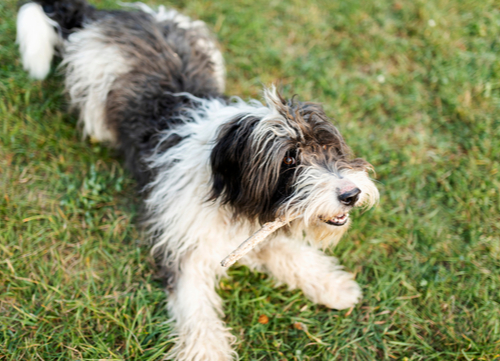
x=212, y=169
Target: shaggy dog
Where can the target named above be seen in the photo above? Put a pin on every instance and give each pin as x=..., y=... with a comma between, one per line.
x=212, y=170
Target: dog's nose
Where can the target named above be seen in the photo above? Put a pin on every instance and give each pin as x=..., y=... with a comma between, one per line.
x=350, y=197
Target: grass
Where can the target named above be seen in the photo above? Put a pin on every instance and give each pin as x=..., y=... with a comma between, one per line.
x=414, y=86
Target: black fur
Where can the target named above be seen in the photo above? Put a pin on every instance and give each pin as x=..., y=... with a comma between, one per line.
x=166, y=61
x=230, y=160
x=69, y=14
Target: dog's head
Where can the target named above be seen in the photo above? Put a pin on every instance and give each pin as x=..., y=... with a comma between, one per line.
x=289, y=161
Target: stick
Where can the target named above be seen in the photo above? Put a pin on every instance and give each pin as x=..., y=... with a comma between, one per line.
x=253, y=241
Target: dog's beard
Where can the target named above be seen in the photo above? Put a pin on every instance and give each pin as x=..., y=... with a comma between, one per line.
x=315, y=200
x=316, y=195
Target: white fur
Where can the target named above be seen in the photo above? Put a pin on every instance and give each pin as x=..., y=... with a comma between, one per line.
x=316, y=192
x=37, y=39
x=196, y=308
x=92, y=65
x=320, y=277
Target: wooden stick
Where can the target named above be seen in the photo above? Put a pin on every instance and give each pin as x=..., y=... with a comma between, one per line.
x=253, y=241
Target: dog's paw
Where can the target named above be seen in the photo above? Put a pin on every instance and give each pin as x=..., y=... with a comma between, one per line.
x=203, y=342
x=340, y=291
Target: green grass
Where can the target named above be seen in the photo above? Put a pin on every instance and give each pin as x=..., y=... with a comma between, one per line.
x=420, y=102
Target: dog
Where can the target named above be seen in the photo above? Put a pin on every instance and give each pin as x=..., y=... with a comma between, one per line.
x=211, y=169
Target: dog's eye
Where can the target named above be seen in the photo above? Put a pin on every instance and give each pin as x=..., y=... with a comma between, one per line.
x=289, y=160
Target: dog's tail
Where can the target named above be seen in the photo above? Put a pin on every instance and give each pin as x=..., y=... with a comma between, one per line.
x=42, y=26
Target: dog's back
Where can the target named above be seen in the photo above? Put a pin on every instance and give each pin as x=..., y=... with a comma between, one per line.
x=124, y=69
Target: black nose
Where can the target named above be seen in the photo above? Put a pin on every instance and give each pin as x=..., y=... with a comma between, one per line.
x=350, y=197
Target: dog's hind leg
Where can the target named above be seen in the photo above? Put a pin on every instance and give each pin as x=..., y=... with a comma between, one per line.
x=299, y=265
x=196, y=309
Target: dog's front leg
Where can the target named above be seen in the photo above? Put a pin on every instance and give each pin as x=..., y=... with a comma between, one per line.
x=299, y=265
x=196, y=309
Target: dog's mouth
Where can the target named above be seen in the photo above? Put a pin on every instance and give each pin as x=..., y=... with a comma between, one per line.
x=338, y=220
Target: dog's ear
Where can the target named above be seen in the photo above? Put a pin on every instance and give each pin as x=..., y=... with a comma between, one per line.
x=244, y=177
x=226, y=157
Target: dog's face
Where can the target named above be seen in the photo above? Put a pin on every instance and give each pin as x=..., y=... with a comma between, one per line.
x=290, y=162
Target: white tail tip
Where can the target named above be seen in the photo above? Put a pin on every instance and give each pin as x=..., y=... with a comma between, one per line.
x=37, y=38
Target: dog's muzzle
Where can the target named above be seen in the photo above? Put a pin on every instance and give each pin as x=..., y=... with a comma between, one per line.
x=347, y=196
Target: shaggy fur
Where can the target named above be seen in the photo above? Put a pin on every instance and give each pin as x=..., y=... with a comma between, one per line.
x=212, y=170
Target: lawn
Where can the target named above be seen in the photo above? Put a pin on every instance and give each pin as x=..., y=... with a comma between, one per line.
x=413, y=85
